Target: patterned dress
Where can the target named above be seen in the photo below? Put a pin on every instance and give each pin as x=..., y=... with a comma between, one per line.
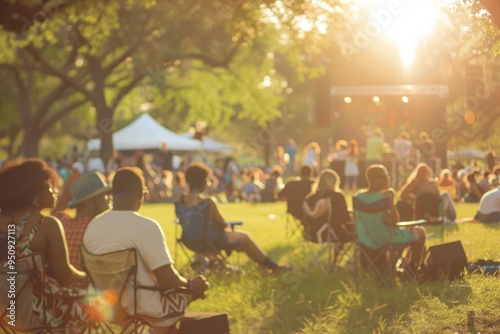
x=59, y=306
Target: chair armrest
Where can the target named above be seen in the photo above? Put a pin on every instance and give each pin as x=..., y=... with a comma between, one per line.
x=179, y=289
x=233, y=224
x=412, y=223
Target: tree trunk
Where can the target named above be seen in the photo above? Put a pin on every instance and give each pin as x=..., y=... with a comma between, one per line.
x=105, y=127
x=30, y=144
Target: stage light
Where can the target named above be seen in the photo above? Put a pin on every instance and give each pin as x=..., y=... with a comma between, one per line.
x=376, y=99
x=347, y=99
x=405, y=99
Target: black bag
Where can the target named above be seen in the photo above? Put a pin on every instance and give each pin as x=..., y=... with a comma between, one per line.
x=204, y=322
x=447, y=259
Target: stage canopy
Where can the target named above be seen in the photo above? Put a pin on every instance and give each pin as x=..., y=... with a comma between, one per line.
x=147, y=134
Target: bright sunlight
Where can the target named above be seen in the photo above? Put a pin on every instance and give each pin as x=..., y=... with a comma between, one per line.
x=417, y=20
x=407, y=22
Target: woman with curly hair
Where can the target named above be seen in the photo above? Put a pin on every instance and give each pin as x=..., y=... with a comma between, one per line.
x=27, y=189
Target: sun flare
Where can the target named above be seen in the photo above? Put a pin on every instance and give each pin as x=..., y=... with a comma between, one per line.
x=406, y=22
x=417, y=20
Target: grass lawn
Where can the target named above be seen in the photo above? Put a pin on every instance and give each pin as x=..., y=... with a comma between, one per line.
x=306, y=301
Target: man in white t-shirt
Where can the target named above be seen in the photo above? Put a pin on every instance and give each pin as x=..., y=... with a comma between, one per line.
x=489, y=207
x=124, y=228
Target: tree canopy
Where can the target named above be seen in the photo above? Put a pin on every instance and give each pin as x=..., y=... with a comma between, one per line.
x=214, y=60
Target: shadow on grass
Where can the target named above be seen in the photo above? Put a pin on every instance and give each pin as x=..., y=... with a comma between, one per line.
x=493, y=226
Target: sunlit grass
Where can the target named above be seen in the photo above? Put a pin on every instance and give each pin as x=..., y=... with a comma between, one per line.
x=305, y=301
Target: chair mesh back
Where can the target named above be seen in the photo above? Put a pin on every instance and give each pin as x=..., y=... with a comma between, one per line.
x=112, y=270
x=195, y=226
x=29, y=272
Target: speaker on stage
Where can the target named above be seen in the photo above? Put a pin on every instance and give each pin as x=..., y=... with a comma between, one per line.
x=447, y=259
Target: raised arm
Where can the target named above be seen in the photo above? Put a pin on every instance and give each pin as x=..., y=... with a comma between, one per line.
x=321, y=207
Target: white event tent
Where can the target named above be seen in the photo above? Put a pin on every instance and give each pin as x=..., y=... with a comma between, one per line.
x=147, y=134
x=211, y=145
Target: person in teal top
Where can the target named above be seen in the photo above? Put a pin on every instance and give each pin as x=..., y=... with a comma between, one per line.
x=376, y=216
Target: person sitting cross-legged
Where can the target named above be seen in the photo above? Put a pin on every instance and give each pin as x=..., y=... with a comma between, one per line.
x=124, y=228
x=197, y=175
x=376, y=217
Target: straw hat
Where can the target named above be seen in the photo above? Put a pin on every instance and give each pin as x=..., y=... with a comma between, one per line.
x=87, y=186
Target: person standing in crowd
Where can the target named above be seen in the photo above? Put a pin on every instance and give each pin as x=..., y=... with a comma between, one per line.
x=338, y=159
x=179, y=186
x=95, y=163
x=403, y=148
x=290, y=156
x=426, y=148
x=129, y=158
x=279, y=157
x=27, y=189
x=490, y=159
x=166, y=158
x=351, y=170
x=375, y=148
x=114, y=163
x=88, y=193
x=229, y=170
x=312, y=153
x=124, y=228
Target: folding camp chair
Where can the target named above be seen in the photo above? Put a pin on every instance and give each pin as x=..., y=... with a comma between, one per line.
x=292, y=224
x=113, y=275
x=386, y=262
x=16, y=305
x=202, y=262
x=331, y=244
x=195, y=236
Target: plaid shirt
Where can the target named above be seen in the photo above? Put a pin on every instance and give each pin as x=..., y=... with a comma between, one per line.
x=75, y=229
